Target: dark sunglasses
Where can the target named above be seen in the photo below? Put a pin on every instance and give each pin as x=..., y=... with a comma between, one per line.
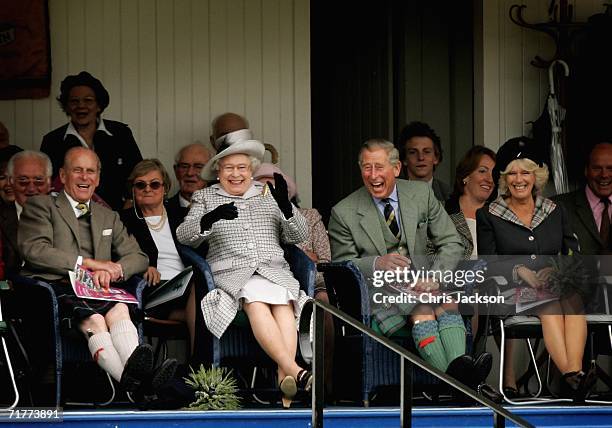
x=154, y=185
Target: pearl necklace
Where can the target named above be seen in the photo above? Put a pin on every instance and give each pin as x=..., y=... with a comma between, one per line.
x=160, y=224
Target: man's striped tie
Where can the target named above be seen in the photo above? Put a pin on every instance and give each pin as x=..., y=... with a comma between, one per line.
x=391, y=219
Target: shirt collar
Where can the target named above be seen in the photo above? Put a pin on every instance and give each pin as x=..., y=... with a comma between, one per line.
x=74, y=203
x=71, y=130
x=392, y=196
x=593, y=199
x=254, y=190
x=18, y=210
x=183, y=202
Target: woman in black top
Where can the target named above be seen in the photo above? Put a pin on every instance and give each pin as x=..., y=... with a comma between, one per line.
x=521, y=222
x=83, y=99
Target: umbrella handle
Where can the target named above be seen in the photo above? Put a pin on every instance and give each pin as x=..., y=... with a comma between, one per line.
x=551, y=77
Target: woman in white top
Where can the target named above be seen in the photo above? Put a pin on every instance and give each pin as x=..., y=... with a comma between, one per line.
x=154, y=227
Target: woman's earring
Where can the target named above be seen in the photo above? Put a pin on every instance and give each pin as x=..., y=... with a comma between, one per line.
x=465, y=181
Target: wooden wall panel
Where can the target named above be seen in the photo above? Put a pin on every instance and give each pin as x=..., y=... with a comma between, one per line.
x=171, y=66
x=510, y=92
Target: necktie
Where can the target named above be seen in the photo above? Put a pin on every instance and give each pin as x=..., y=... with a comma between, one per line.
x=83, y=208
x=391, y=219
x=604, y=229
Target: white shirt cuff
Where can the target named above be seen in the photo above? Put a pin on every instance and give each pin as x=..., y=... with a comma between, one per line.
x=78, y=263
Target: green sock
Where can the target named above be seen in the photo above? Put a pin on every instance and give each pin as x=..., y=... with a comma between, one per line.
x=428, y=343
x=452, y=334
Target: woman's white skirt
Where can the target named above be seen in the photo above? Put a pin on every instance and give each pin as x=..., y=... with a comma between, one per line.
x=260, y=289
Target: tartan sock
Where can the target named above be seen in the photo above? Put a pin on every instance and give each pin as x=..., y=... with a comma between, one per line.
x=452, y=334
x=125, y=338
x=105, y=355
x=427, y=341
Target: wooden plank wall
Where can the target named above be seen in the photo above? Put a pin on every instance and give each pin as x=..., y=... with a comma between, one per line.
x=171, y=66
x=509, y=91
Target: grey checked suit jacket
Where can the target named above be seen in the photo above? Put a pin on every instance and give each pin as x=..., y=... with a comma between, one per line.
x=49, y=238
x=241, y=247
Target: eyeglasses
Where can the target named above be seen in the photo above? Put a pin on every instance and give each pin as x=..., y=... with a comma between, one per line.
x=87, y=101
x=229, y=169
x=25, y=181
x=187, y=166
x=154, y=185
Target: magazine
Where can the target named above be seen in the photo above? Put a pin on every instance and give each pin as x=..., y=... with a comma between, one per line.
x=170, y=290
x=83, y=286
x=527, y=298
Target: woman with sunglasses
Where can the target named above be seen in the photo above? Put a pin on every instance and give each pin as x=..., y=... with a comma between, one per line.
x=154, y=228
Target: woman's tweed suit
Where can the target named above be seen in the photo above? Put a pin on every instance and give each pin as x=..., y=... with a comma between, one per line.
x=241, y=247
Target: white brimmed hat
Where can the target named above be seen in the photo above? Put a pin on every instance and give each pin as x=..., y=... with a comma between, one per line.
x=247, y=147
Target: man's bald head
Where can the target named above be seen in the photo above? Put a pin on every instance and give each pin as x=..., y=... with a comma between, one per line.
x=226, y=123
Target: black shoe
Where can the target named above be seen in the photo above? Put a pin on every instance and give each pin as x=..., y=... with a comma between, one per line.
x=462, y=369
x=137, y=368
x=482, y=368
x=162, y=374
x=511, y=392
x=489, y=392
x=304, y=380
x=571, y=386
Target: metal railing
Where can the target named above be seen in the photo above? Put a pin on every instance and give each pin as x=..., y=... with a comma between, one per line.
x=408, y=360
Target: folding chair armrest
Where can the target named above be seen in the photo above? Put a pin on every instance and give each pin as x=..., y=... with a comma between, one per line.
x=355, y=275
x=198, y=262
x=302, y=267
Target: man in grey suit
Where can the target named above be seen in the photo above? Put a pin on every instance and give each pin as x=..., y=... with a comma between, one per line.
x=384, y=226
x=589, y=208
x=29, y=173
x=59, y=233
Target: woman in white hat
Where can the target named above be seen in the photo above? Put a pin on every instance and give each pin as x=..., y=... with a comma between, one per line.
x=244, y=227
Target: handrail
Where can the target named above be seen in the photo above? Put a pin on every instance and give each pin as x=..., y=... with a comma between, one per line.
x=407, y=360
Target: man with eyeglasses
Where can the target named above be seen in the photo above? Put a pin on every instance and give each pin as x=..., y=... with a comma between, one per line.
x=29, y=173
x=188, y=164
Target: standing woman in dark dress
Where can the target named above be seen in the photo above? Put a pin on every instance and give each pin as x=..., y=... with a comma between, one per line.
x=83, y=98
x=521, y=222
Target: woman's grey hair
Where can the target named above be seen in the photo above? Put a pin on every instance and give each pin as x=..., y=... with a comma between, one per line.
x=255, y=163
x=33, y=154
x=540, y=172
x=380, y=143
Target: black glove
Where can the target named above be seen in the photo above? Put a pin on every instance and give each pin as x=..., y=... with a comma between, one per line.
x=225, y=212
x=281, y=195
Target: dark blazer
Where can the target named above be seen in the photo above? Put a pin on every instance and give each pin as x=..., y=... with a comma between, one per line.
x=10, y=248
x=498, y=236
x=139, y=230
x=118, y=155
x=582, y=221
x=50, y=244
x=441, y=190
x=174, y=208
